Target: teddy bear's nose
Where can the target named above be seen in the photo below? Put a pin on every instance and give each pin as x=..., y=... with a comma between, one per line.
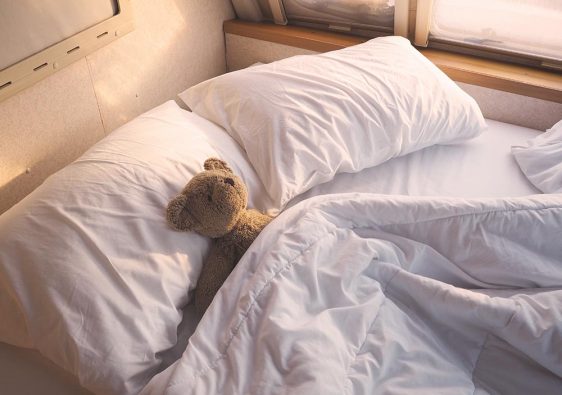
x=229, y=181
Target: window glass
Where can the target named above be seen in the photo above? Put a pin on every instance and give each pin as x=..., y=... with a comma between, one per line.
x=367, y=13
x=531, y=27
x=29, y=26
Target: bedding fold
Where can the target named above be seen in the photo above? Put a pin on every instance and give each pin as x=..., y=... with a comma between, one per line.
x=361, y=293
x=540, y=159
x=91, y=276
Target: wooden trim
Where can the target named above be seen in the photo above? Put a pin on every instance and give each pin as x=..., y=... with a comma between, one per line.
x=294, y=36
x=522, y=80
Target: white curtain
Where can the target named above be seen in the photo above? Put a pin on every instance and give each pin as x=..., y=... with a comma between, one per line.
x=375, y=13
x=531, y=27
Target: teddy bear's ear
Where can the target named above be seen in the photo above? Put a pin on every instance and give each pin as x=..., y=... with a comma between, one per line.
x=177, y=215
x=216, y=164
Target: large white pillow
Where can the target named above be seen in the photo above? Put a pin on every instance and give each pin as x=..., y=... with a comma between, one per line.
x=90, y=273
x=540, y=159
x=301, y=120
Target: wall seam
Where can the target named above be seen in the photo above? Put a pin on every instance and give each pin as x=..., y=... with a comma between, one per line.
x=105, y=132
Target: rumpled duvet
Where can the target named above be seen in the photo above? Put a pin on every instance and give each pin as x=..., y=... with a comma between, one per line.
x=372, y=294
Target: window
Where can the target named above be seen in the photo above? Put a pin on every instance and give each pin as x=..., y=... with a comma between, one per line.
x=524, y=31
x=361, y=17
x=40, y=37
x=367, y=14
x=521, y=31
x=28, y=26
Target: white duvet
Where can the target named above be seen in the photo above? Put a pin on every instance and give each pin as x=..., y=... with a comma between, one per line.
x=371, y=294
x=540, y=159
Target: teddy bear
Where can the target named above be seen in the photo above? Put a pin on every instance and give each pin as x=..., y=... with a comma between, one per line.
x=213, y=204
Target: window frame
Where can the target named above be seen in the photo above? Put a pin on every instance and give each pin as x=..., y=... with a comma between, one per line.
x=424, y=13
x=34, y=68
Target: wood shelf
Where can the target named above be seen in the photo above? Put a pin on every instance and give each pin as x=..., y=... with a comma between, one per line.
x=522, y=80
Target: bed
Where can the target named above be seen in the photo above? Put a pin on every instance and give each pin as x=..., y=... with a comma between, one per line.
x=412, y=265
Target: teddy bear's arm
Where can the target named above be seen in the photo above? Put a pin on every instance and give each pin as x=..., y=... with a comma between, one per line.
x=216, y=268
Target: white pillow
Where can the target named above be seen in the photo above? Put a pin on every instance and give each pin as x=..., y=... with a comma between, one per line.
x=301, y=120
x=90, y=273
x=541, y=160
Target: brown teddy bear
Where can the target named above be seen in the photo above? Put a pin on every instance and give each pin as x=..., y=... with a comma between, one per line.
x=213, y=204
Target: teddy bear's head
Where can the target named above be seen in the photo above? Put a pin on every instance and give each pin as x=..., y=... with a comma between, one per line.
x=211, y=203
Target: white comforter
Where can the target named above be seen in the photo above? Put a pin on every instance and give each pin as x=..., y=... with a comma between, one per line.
x=371, y=294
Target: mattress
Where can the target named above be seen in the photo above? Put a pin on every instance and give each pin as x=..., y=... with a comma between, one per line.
x=483, y=167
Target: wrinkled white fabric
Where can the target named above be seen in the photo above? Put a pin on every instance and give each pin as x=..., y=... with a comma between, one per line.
x=90, y=274
x=304, y=119
x=540, y=159
x=361, y=293
x=481, y=167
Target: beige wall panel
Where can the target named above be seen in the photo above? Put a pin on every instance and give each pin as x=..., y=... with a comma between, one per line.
x=502, y=106
x=516, y=109
x=44, y=128
x=242, y=52
x=175, y=44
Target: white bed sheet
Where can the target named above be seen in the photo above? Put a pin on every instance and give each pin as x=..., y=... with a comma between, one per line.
x=483, y=167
